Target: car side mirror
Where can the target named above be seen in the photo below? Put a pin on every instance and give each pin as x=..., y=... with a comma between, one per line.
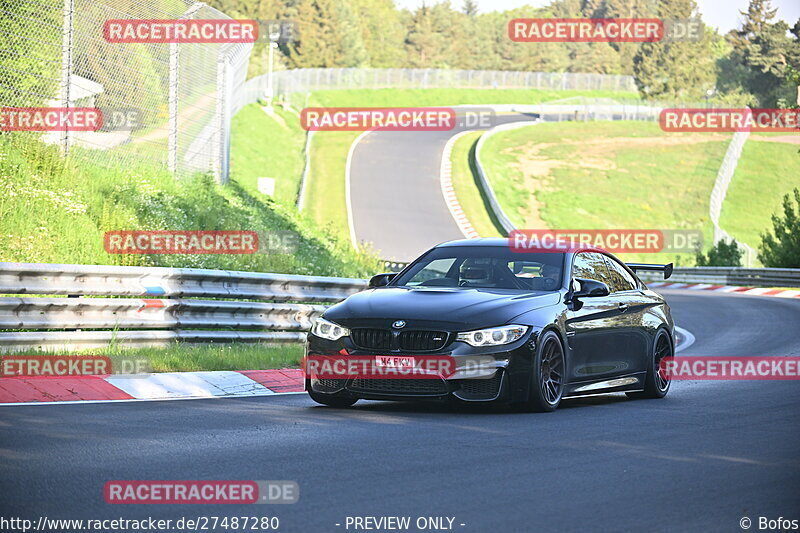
x=381, y=280
x=589, y=288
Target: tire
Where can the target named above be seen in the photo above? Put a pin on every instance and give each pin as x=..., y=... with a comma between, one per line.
x=332, y=400
x=655, y=384
x=548, y=375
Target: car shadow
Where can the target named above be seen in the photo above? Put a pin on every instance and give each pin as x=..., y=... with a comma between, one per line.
x=476, y=408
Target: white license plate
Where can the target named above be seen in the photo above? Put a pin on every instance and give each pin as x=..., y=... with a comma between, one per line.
x=395, y=361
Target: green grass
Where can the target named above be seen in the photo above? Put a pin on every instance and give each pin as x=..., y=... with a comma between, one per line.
x=56, y=211
x=618, y=184
x=466, y=187
x=766, y=172
x=192, y=358
x=325, y=191
x=265, y=146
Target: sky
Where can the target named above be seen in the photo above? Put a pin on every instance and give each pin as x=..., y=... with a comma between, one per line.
x=722, y=14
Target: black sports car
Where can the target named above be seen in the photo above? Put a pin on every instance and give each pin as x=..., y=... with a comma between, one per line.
x=545, y=326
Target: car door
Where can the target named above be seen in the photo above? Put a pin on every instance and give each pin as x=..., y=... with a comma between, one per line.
x=632, y=334
x=593, y=330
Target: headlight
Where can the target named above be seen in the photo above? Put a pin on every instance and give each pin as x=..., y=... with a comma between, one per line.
x=493, y=336
x=328, y=330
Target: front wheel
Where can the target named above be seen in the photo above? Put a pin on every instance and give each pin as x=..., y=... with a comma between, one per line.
x=548, y=375
x=656, y=384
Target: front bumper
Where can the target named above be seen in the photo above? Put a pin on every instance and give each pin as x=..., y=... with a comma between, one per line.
x=472, y=390
x=482, y=374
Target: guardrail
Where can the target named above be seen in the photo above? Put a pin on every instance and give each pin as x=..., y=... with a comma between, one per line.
x=495, y=210
x=737, y=276
x=156, y=306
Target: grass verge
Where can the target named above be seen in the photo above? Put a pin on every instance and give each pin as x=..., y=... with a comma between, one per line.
x=326, y=201
x=606, y=175
x=766, y=172
x=265, y=146
x=56, y=211
x=194, y=358
x=466, y=186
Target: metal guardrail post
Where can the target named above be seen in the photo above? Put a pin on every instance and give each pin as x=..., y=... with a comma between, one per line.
x=66, y=66
x=172, y=101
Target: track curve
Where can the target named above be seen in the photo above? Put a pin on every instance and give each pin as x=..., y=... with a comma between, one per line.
x=387, y=172
x=708, y=454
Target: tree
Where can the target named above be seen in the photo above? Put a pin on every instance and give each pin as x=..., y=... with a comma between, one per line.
x=598, y=57
x=382, y=32
x=673, y=69
x=30, y=37
x=329, y=36
x=470, y=8
x=782, y=250
x=721, y=254
x=431, y=37
x=765, y=54
x=627, y=9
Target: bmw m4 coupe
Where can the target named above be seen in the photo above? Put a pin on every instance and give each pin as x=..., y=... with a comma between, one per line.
x=544, y=325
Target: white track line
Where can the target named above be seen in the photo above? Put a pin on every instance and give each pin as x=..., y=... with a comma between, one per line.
x=688, y=339
x=448, y=191
x=347, y=188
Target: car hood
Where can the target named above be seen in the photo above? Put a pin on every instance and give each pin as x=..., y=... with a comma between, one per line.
x=428, y=307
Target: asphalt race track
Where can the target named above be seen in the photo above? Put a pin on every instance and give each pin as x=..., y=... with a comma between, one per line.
x=704, y=457
x=395, y=195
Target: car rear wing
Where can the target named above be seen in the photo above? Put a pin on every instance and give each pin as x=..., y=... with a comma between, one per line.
x=666, y=269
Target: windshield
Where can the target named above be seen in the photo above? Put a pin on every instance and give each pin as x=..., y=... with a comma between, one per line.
x=484, y=267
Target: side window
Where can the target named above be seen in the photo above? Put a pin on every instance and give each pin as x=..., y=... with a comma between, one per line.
x=621, y=279
x=591, y=265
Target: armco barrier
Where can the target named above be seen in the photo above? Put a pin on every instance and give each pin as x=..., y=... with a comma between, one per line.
x=737, y=276
x=156, y=306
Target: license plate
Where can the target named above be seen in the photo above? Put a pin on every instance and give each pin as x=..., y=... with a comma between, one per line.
x=395, y=361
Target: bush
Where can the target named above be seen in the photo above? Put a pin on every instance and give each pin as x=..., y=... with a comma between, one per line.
x=783, y=249
x=721, y=254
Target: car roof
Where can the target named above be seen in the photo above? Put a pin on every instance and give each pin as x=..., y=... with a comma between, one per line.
x=494, y=241
x=503, y=241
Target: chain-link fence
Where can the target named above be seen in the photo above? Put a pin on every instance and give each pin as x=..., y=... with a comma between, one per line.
x=724, y=176
x=291, y=82
x=174, y=102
